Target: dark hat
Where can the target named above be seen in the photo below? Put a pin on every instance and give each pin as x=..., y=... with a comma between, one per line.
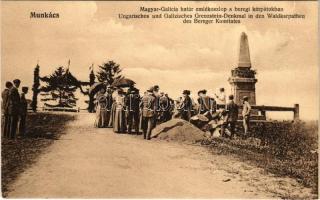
x=202, y=91
x=187, y=92
x=133, y=91
x=231, y=96
x=16, y=81
x=8, y=84
x=24, y=88
x=156, y=87
x=245, y=97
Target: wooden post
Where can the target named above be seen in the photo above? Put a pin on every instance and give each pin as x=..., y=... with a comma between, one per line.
x=296, y=112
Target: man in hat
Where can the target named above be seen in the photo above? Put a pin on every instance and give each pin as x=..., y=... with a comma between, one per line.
x=14, y=108
x=246, y=115
x=186, y=106
x=148, y=105
x=5, y=106
x=207, y=105
x=132, y=107
x=23, y=111
x=156, y=89
x=232, y=111
x=163, y=106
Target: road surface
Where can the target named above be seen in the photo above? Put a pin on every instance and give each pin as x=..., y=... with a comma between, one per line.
x=88, y=162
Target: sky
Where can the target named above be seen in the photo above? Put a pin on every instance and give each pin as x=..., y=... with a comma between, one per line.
x=168, y=53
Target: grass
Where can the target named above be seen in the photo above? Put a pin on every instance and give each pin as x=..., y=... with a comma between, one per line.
x=17, y=155
x=282, y=148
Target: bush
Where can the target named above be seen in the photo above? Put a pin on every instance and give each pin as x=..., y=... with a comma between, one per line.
x=283, y=148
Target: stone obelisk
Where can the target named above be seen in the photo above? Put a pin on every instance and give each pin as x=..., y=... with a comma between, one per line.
x=244, y=53
x=242, y=78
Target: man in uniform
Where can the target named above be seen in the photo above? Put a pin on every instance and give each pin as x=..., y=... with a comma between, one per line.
x=186, y=106
x=132, y=104
x=157, y=103
x=5, y=106
x=246, y=115
x=23, y=111
x=232, y=116
x=14, y=108
x=148, y=105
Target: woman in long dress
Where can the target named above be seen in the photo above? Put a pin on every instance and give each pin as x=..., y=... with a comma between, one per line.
x=119, y=124
x=101, y=110
x=113, y=108
x=109, y=101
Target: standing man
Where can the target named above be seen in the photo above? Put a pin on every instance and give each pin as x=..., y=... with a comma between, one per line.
x=186, y=106
x=14, y=108
x=157, y=103
x=23, y=111
x=207, y=105
x=148, y=105
x=132, y=103
x=220, y=97
x=5, y=106
x=232, y=115
x=246, y=115
x=166, y=107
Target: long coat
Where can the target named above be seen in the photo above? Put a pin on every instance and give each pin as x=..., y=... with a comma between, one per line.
x=5, y=101
x=102, y=114
x=14, y=101
x=119, y=124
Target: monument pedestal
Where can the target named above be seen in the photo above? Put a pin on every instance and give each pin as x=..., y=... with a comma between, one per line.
x=241, y=87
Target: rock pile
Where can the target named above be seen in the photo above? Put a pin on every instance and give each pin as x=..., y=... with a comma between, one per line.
x=178, y=130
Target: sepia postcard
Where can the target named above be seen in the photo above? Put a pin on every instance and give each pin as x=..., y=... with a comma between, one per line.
x=159, y=99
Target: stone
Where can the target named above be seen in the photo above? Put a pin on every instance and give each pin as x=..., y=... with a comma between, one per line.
x=244, y=53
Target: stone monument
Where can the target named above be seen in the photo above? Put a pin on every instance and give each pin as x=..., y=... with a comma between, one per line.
x=242, y=78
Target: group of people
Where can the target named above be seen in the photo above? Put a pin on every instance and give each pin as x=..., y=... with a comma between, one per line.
x=128, y=111
x=14, y=109
x=216, y=106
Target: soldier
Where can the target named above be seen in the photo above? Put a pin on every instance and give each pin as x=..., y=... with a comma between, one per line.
x=157, y=96
x=246, y=115
x=165, y=107
x=132, y=104
x=5, y=105
x=14, y=107
x=171, y=108
x=186, y=106
x=23, y=111
x=232, y=116
x=148, y=105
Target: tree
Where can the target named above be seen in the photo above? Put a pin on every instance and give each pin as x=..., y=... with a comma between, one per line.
x=61, y=85
x=35, y=88
x=92, y=78
x=109, y=72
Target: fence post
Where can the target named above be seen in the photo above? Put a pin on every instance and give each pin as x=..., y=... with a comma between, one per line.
x=296, y=112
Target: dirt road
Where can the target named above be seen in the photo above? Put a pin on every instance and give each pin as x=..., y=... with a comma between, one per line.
x=92, y=163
